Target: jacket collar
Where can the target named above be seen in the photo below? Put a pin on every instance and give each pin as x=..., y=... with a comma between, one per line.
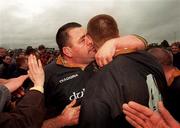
x=61, y=61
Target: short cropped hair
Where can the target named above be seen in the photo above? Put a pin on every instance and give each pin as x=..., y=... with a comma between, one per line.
x=102, y=28
x=62, y=34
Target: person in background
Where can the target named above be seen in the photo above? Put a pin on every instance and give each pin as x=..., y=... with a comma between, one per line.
x=175, y=48
x=172, y=74
x=5, y=67
x=3, y=52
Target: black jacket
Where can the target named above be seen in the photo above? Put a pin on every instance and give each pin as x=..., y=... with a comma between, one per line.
x=122, y=80
x=29, y=112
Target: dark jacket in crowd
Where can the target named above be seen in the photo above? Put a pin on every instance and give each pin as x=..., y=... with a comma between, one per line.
x=29, y=112
x=176, y=60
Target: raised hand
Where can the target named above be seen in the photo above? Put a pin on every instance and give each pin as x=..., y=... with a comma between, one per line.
x=36, y=72
x=140, y=116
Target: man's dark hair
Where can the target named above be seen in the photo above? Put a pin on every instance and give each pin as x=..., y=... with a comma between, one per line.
x=30, y=50
x=102, y=28
x=62, y=34
x=162, y=55
x=177, y=44
x=41, y=47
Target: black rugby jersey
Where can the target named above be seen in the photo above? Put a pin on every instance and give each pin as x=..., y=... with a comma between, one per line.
x=126, y=78
x=63, y=84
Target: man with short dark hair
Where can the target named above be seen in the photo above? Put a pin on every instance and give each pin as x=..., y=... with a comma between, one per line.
x=95, y=31
x=106, y=30
x=65, y=78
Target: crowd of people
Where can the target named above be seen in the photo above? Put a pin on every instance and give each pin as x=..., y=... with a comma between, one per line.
x=97, y=79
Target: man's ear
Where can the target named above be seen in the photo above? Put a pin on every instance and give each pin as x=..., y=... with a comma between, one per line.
x=67, y=51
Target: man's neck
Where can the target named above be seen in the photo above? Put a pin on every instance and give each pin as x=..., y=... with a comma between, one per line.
x=74, y=64
x=67, y=62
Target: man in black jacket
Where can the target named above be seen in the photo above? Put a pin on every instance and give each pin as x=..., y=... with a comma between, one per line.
x=134, y=76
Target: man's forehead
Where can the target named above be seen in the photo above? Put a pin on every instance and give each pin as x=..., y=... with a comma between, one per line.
x=77, y=30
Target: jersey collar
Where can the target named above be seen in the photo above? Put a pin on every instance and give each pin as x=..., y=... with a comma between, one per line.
x=61, y=61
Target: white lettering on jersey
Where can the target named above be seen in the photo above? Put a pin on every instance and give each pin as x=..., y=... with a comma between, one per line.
x=77, y=95
x=154, y=94
x=68, y=78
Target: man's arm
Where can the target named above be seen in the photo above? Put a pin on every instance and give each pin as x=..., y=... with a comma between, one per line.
x=116, y=46
x=9, y=86
x=133, y=42
x=3, y=81
x=69, y=117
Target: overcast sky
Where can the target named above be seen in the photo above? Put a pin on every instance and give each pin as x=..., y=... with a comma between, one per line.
x=34, y=22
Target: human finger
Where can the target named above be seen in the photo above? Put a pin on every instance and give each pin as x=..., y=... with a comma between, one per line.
x=167, y=116
x=135, y=118
x=132, y=122
x=34, y=64
x=140, y=108
x=71, y=104
x=138, y=114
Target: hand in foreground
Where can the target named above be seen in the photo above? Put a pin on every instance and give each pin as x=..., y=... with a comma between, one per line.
x=69, y=117
x=36, y=72
x=140, y=116
x=71, y=114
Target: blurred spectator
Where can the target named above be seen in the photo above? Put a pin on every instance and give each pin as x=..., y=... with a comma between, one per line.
x=5, y=67
x=30, y=50
x=164, y=44
x=56, y=53
x=173, y=79
x=152, y=45
x=3, y=52
x=41, y=49
x=175, y=48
